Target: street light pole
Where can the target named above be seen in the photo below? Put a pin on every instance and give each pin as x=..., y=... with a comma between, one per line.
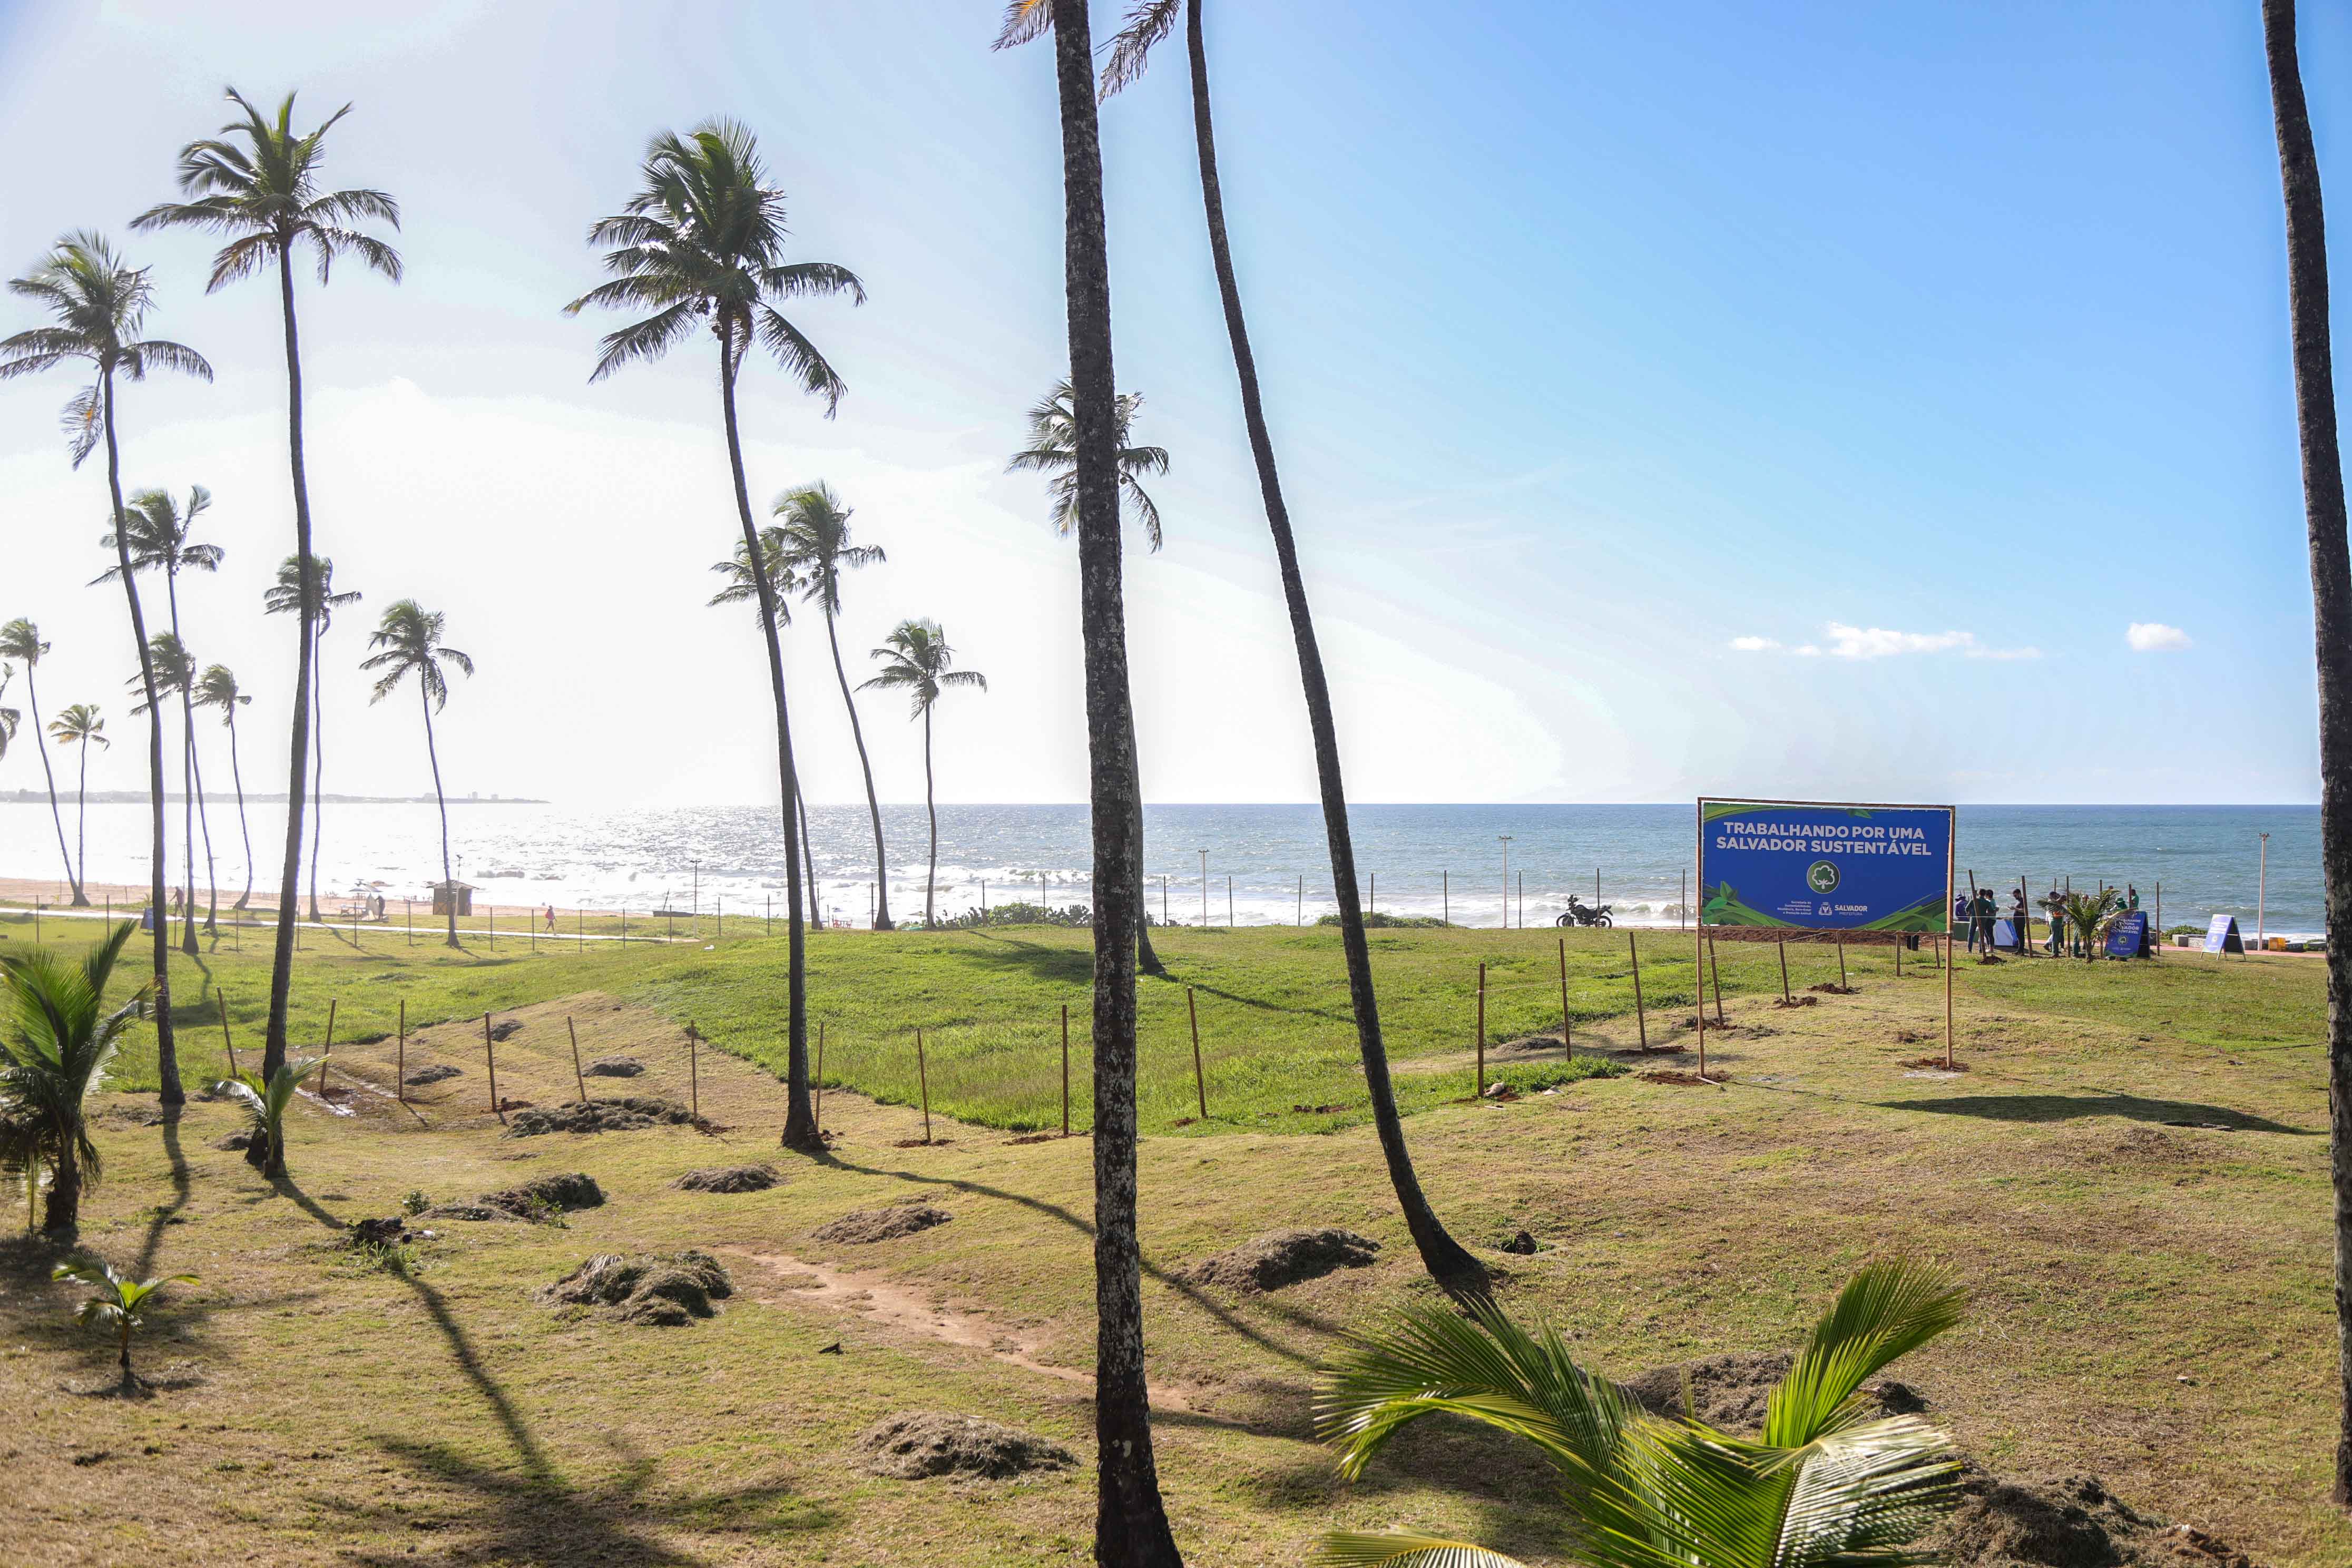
x=1506, y=839
x=697, y=926
x=2262, y=888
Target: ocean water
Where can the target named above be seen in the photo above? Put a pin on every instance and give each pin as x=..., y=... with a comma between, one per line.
x=1264, y=863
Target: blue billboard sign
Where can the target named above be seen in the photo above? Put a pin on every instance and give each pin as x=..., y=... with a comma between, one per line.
x=2128, y=938
x=2222, y=935
x=1812, y=864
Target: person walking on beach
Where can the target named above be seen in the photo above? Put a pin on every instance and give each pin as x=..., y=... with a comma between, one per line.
x=550, y=920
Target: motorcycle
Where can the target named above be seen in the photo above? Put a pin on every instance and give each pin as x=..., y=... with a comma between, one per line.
x=1580, y=913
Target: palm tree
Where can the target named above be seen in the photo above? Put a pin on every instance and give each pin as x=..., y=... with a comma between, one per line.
x=175, y=676
x=2331, y=602
x=54, y=1057
x=9, y=717
x=120, y=1305
x=918, y=657
x=81, y=725
x=410, y=635
x=20, y=639
x=1053, y=449
x=743, y=587
x=218, y=689
x=703, y=243
x=264, y=1101
x=1148, y=22
x=2088, y=915
x=258, y=183
x=1824, y=1484
x=1130, y=1520
x=815, y=539
x=285, y=597
x=99, y=306
x=159, y=539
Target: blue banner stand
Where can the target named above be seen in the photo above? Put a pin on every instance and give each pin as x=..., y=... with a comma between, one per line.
x=2222, y=936
x=2128, y=938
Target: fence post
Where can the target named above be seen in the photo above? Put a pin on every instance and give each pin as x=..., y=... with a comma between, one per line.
x=1841, y=981
x=1482, y=1031
x=816, y=1108
x=328, y=1054
x=222, y=1001
x=1199, y=1084
x=1066, y=1069
x=490, y=1055
x=1783, y=946
x=1947, y=1004
x=1566, y=1028
x=1640, y=1020
x=400, y=1062
x=1716, y=972
x=408, y=915
x=693, y=1070
x=576, y=1076
x=923, y=1076
x=1699, y=974
x=490, y=925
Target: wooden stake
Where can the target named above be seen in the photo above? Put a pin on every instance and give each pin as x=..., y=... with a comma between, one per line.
x=1199, y=1084
x=576, y=1075
x=1567, y=1028
x=1947, y=1004
x=1717, y=971
x=1640, y=1019
x=226, y=1041
x=1482, y=1031
x=923, y=1075
x=1898, y=958
x=1841, y=947
x=328, y=1054
x=400, y=1067
x=1698, y=968
x=693, y=1072
x=490, y=1055
x=1066, y=1069
x=816, y=1110
x=1783, y=946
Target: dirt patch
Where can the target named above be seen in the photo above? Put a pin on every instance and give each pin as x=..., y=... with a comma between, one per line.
x=625, y=1114
x=1285, y=1257
x=1730, y=1390
x=1523, y=1243
x=615, y=1067
x=728, y=1179
x=862, y=1226
x=1676, y=1076
x=916, y=1444
x=234, y=1141
x=506, y=1028
x=935, y=1142
x=2066, y=1522
x=547, y=1197
x=1832, y=988
x=662, y=1289
x=1800, y=1001
x=440, y=1072
x=1954, y=1064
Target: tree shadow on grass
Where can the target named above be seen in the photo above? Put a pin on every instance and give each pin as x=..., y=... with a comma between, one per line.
x=1073, y=966
x=2048, y=1108
x=164, y=1213
x=1224, y=1315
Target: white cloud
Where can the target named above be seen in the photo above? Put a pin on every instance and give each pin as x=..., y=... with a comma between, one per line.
x=1754, y=645
x=2155, y=636
x=1877, y=642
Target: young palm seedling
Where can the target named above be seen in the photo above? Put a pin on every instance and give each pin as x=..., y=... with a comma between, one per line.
x=120, y=1307
x=265, y=1103
x=1829, y=1481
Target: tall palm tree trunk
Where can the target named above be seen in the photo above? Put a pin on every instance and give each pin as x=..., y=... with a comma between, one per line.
x=2331, y=597
x=317, y=761
x=81, y=801
x=1453, y=1268
x=808, y=867
x=73, y=871
x=187, y=769
x=864, y=766
x=236, y=772
x=432, y=756
x=1146, y=958
x=800, y=1123
x=289, y=881
x=167, y=1056
x=931, y=810
x=1130, y=1521
x=204, y=825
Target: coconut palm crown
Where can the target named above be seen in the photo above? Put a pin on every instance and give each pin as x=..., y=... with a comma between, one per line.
x=1053, y=449
x=98, y=306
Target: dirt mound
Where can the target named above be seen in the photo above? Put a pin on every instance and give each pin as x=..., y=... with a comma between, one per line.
x=2067, y=1522
x=547, y=1197
x=861, y=1226
x=1730, y=1390
x=662, y=1289
x=1285, y=1257
x=391, y=1231
x=438, y=1073
x=728, y=1179
x=615, y=1067
x=625, y=1114
x=920, y=1443
x=234, y=1141
x=506, y=1028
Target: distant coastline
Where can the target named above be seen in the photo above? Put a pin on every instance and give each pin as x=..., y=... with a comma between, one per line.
x=139, y=797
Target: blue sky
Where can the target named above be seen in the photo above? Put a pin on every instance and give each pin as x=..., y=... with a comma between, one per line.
x=1597, y=339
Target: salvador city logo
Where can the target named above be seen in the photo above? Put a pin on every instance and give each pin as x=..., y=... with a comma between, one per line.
x=1821, y=877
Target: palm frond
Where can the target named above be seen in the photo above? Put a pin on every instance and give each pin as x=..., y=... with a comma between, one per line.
x=1885, y=1311
x=1402, y=1549
x=1024, y=20
x=793, y=351
x=1148, y=22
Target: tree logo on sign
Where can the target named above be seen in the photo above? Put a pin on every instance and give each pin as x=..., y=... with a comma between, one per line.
x=1821, y=877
